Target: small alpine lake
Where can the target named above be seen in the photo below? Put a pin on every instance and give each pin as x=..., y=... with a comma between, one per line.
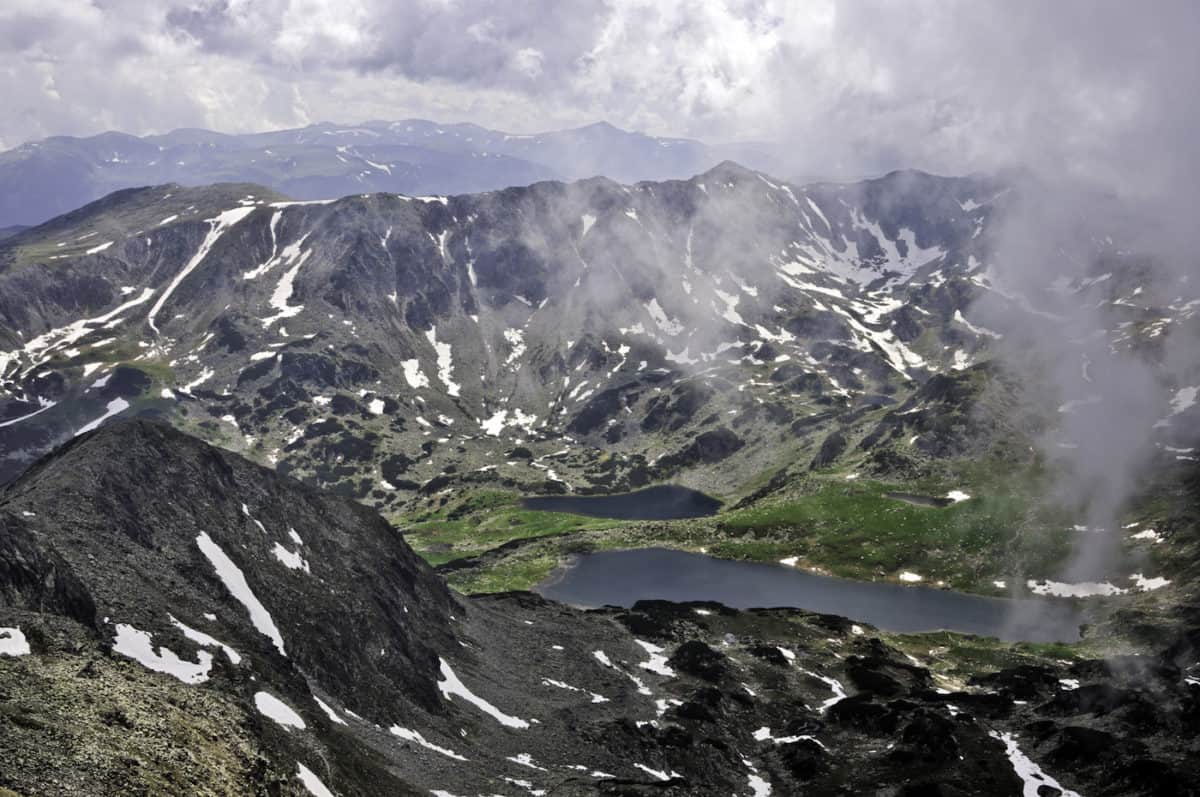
x=663, y=502
x=621, y=578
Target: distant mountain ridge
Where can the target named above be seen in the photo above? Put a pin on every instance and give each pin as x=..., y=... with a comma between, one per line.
x=43, y=179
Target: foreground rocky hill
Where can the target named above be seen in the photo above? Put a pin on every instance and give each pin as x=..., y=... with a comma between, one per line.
x=175, y=619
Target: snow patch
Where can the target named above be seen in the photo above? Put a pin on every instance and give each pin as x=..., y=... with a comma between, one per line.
x=312, y=782
x=839, y=692
x=290, y=559
x=13, y=642
x=235, y=581
x=525, y=760
x=516, y=342
x=664, y=322
x=1031, y=775
x=656, y=773
x=115, y=407
x=413, y=375
x=1184, y=399
x=204, y=640
x=275, y=709
x=445, y=361
x=1147, y=584
x=286, y=287
x=138, y=645
x=758, y=786
x=329, y=712
x=563, y=685
x=658, y=662
x=451, y=686
x=416, y=737
x=218, y=226
x=1085, y=589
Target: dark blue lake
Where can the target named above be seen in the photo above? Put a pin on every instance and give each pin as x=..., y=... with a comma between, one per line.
x=665, y=502
x=620, y=578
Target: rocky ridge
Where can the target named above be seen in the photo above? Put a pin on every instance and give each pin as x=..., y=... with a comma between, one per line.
x=197, y=624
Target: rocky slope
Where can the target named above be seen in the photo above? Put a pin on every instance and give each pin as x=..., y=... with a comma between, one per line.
x=674, y=324
x=177, y=620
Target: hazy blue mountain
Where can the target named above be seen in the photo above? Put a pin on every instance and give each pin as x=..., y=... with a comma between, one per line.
x=42, y=179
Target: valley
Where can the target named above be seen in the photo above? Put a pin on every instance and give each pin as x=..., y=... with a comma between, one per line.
x=610, y=399
x=397, y=419
x=795, y=351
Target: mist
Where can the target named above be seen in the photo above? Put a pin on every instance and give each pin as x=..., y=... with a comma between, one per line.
x=1069, y=263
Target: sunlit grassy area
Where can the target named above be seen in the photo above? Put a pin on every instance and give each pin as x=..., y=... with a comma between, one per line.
x=848, y=528
x=486, y=520
x=852, y=529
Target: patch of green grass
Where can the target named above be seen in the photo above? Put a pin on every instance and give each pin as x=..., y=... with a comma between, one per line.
x=484, y=520
x=159, y=371
x=852, y=529
x=514, y=573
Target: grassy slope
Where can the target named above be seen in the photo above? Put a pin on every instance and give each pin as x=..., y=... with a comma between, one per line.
x=485, y=520
x=1008, y=529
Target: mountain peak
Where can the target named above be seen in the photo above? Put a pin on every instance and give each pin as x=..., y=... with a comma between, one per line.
x=728, y=170
x=602, y=126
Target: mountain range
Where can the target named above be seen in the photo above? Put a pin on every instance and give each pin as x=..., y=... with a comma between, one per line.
x=265, y=459
x=43, y=179
x=361, y=342
x=560, y=337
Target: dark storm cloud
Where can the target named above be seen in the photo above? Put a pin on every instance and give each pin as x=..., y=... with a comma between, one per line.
x=466, y=43
x=211, y=25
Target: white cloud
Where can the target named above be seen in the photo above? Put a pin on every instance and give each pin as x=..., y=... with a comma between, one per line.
x=847, y=87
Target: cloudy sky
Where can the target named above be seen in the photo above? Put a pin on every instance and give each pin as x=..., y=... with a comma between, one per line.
x=849, y=87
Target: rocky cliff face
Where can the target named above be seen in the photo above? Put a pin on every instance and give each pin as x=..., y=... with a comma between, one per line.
x=175, y=619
